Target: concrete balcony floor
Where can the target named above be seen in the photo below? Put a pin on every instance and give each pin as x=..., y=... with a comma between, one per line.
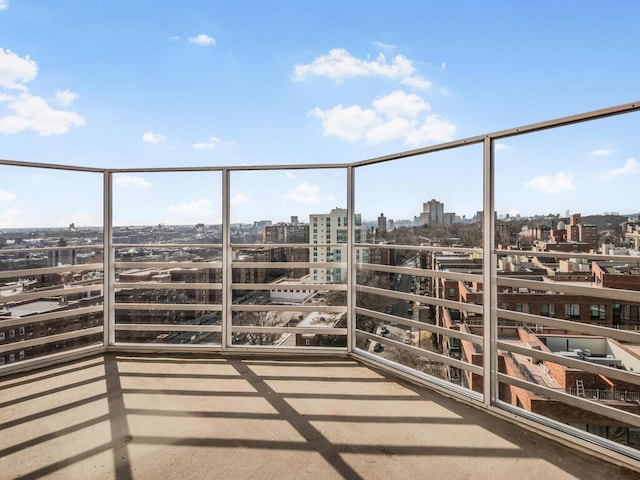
x=188, y=417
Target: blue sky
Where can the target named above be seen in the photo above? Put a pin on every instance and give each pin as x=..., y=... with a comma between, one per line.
x=199, y=83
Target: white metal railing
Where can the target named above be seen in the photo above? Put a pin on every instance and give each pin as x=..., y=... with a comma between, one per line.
x=493, y=317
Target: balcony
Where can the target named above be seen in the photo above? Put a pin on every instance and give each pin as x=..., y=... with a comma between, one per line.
x=130, y=350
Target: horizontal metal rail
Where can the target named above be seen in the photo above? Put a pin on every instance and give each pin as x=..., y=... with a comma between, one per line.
x=289, y=308
x=578, y=402
x=154, y=327
x=57, y=292
x=290, y=286
x=168, y=265
x=448, y=332
x=167, y=286
x=58, y=337
x=301, y=330
x=308, y=166
x=258, y=246
x=165, y=246
x=412, y=297
x=50, y=166
x=48, y=317
x=29, y=272
x=420, y=248
x=614, y=333
x=186, y=307
x=285, y=265
x=609, y=372
x=436, y=357
x=9, y=251
x=577, y=255
x=421, y=272
x=590, y=291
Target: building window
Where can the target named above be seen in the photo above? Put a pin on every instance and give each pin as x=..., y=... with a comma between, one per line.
x=12, y=333
x=12, y=357
x=523, y=307
x=1, y=336
x=572, y=311
x=597, y=312
x=21, y=331
x=548, y=309
x=452, y=292
x=21, y=354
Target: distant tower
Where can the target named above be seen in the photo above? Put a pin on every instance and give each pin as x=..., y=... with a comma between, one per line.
x=382, y=223
x=432, y=213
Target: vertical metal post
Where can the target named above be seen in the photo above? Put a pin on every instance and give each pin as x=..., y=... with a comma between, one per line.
x=227, y=256
x=489, y=280
x=109, y=271
x=351, y=263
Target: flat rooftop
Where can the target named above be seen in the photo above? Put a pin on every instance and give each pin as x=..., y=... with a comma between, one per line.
x=118, y=416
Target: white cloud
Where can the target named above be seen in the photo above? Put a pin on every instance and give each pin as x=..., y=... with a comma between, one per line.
x=397, y=116
x=287, y=175
x=630, y=167
x=443, y=65
x=434, y=129
x=392, y=129
x=603, y=152
x=64, y=98
x=350, y=123
x=208, y=144
x=174, y=38
x=203, y=40
x=338, y=64
x=34, y=113
x=416, y=82
x=31, y=112
x=4, y=4
x=6, y=196
x=239, y=199
x=558, y=183
x=400, y=104
x=304, y=193
x=330, y=198
x=131, y=181
x=15, y=71
x=151, y=137
x=196, y=208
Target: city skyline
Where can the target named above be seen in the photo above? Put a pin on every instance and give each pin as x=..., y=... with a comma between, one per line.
x=203, y=86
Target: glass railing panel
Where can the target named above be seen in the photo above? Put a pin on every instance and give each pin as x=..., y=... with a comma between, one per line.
x=421, y=228
x=289, y=258
x=168, y=257
x=51, y=262
x=568, y=277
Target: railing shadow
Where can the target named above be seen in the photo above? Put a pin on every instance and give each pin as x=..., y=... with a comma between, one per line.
x=144, y=416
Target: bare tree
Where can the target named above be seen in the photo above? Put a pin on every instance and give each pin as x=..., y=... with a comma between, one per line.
x=255, y=319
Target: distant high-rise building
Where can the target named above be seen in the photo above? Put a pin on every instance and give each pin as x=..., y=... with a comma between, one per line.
x=327, y=230
x=286, y=233
x=580, y=232
x=382, y=223
x=449, y=218
x=432, y=213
